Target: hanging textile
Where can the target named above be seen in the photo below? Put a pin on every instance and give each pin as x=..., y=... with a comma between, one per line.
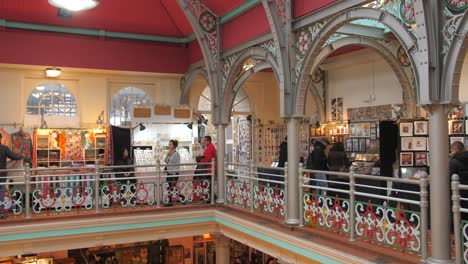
x=21, y=142
x=5, y=137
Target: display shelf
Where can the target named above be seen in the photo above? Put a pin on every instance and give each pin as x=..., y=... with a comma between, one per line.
x=63, y=147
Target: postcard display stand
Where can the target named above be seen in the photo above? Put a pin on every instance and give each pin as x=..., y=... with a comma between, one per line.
x=362, y=146
x=414, y=147
x=269, y=138
x=152, y=144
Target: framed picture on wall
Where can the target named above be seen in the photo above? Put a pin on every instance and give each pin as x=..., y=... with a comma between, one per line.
x=362, y=144
x=359, y=129
x=420, y=159
x=420, y=128
x=419, y=143
x=407, y=143
x=356, y=144
x=456, y=127
x=349, y=145
x=406, y=159
x=406, y=129
x=453, y=139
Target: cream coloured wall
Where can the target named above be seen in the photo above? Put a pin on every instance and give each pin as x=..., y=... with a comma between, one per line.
x=355, y=76
x=91, y=89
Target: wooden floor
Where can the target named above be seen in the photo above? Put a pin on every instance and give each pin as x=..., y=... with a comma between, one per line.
x=370, y=251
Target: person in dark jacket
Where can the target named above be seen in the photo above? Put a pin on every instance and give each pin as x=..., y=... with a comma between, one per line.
x=458, y=158
x=283, y=153
x=124, y=172
x=337, y=159
x=5, y=153
x=458, y=164
x=319, y=161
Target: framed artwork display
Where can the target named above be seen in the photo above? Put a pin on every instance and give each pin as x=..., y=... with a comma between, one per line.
x=362, y=144
x=453, y=139
x=406, y=129
x=456, y=127
x=355, y=144
x=349, y=145
x=359, y=130
x=406, y=158
x=420, y=159
x=427, y=144
x=466, y=141
x=407, y=143
x=419, y=143
x=420, y=128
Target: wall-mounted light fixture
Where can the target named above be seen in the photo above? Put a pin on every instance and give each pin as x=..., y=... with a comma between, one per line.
x=99, y=120
x=53, y=72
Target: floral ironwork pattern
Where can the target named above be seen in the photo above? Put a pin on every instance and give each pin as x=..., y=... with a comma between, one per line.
x=456, y=6
x=464, y=246
x=208, y=22
x=11, y=201
x=238, y=192
x=395, y=227
x=62, y=199
x=270, y=47
x=407, y=12
x=403, y=10
x=449, y=30
x=281, y=10
x=269, y=200
x=302, y=45
x=326, y=212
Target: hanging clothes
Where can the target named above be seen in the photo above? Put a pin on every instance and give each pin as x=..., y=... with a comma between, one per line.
x=5, y=137
x=21, y=142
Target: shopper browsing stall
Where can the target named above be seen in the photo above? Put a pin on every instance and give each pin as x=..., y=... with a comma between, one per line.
x=5, y=153
x=319, y=162
x=209, y=154
x=173, y=160
x=125, y=171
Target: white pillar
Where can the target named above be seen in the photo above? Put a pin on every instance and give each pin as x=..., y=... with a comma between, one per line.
x=221, y=154
x=439, y=184
x=292, y=206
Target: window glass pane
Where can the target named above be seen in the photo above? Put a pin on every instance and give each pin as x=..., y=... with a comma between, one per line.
x=122, y=102
x=51, y=99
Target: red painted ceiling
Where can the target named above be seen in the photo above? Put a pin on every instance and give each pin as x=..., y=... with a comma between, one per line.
x=155, y=17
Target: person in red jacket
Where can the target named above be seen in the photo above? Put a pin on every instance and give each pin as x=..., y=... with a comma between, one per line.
x=210, y=153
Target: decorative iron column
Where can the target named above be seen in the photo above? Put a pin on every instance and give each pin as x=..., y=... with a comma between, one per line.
x=439, y=184
x=220, y=154
x=292, y=206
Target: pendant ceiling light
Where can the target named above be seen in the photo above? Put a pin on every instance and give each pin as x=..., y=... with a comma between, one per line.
x=74, y=5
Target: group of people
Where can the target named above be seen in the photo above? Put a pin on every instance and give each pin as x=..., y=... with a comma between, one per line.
x=318, y=159
x=172, y=160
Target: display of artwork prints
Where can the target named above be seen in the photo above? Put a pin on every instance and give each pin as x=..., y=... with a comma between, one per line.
x=406, y=159
x=359, y=129
x=420, y=159
x=420, y=128
x=406, y=129
x=456, y=127
x=337, y=108
x=453, y=139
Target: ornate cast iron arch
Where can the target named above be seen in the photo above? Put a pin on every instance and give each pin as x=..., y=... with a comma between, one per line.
x=186, y=83
x=408, y=92
x=407, y=40
x=455, y=57
x=238, y=75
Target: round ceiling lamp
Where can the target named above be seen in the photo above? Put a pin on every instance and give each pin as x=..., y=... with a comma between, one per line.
x=74, y=5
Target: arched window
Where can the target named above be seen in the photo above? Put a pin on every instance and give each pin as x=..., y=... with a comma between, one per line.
x=51, y=99
x=121, y=106
x=241, y=102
